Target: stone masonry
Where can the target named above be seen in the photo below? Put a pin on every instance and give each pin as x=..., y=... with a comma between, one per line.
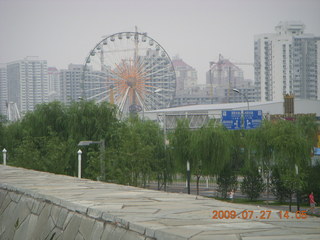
x=38, y=205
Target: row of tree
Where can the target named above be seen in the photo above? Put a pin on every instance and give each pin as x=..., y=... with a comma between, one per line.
x=275, y=157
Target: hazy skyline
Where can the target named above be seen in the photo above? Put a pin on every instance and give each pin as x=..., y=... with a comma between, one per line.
x=63, y=32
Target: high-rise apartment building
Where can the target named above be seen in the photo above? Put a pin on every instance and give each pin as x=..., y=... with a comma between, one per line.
x=186, y=76
x=3, y=90
x=224, y=76
x=54, y=84
x=27, y=83
x=224, y=73
x=287, y=62
x=70, y=83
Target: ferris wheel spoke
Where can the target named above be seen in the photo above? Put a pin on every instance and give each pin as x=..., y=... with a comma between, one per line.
x=158, y=71
x=124, y=98
x=140, y=99
x=153, y=100
x=92, y=74
x=94, y=89
x=99, y=94
x=154, y=63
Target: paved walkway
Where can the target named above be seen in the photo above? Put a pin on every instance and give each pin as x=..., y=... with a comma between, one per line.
x=165, y=215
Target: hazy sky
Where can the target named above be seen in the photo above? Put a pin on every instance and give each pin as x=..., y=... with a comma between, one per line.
x=64, y=31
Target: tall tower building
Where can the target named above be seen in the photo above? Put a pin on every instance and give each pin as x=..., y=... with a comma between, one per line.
x=70, y=83
x=224, y=73
x=54, y=84
x=286, y=62
x=3, y=90
x=186, y=76
x=224, y=76
x=27, y=83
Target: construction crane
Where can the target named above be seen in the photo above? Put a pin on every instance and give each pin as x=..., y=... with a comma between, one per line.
x=221, y=62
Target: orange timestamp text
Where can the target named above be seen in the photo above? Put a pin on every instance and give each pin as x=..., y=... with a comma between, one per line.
x=261, y=214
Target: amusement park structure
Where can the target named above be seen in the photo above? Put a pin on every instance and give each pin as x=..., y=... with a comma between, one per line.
x=131, y=70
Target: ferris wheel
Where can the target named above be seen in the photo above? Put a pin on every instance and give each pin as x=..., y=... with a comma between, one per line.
x=131, y=70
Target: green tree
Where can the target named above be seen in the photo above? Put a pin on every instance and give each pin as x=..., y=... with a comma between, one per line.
x=227, y=181
x=214, y=148
x=181, y=145
x=252, y=184
x=135, y=156
x=278, y=187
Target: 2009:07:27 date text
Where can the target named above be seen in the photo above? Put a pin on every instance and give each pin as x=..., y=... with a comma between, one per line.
x=263, y=214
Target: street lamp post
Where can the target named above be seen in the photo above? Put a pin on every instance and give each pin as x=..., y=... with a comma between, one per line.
x=102, y=149
x=237, y=91
x=79, y=163
x=188, y=176
x=4, y=151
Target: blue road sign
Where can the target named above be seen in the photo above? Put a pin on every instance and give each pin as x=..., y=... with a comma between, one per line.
x=252, y=118
x=231, y=119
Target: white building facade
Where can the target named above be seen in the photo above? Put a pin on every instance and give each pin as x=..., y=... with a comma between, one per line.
x=3, y=90
x=186, y=76
x=224, y=76
x=54, y=84
x=70, y=83
x=286, y=63
x=27, y=83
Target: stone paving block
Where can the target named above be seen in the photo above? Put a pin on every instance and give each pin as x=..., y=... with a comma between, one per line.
x=47, y=229
x=21, y=211
x=137, y=228
x=108, y=217
x=68, y=219
x=86, y=227
x=3, y=195
x=94, y=213
x=108, y=230
x=74, y=207
x=5, y=202
x=286, y=237
x=44, y=224
x=120, y=222
x=7, y=220
x=38, y=207
x=53, y=200
x=129, y=235
x=164, y=235
x=79, y=237
x=9, y=223
x=71, y=230
x=62, y=218
x=97, y=230
x=15, y=196
x=204, y=236
x=54, y=234
x=32, y=225
x=29, y=201
x=22, y=229
x=150, y=232
x=117, y=233
x=55, y=211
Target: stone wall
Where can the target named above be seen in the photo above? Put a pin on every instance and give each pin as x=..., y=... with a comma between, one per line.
x=28, y=215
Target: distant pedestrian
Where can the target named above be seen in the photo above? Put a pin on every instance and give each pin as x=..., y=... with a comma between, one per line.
x=231, y=195
x=312, y=202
